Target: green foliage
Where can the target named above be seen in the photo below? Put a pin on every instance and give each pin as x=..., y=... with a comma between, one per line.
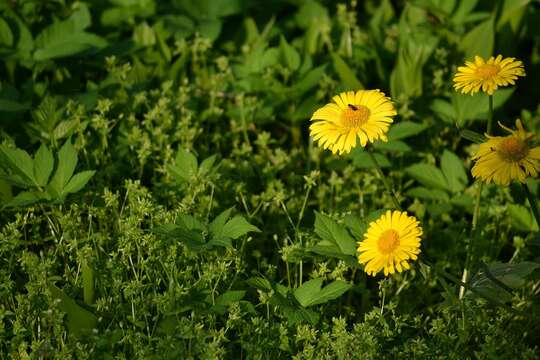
x=161, y=199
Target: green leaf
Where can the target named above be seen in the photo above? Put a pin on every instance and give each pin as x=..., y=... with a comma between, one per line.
x=19, y=162
x=43, y=165
x=331, y=231
x=67, y=161
x=216, y=226
x=237, y=227
x=310, y=293
x=392, y=146
x=6, y=35
x=308, y=82
x=80, y=321
x=224, y=300
x=289, y=56
x=454, y=171
x=479, y=41
x=405, y=129
x=362, y=160
x=428, y=175
x=186, y=166
x=473, y=136
x=260, y=283
x=522, y=219
x=427, y=194
x=25, y=198
x=346, y=74
x=78, y=181
x=8, y=105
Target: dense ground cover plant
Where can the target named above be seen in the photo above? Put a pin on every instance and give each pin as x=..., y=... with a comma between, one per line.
x=162, y=196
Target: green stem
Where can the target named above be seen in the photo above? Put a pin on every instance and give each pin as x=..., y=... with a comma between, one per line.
x=533, y=202
x=476, y=214
x=386, y=184
x=490, y=115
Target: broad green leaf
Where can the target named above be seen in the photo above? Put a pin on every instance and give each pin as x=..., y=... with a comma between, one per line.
x=224, y=300
x=346, y=74
x=80, y=321
x=454, y=171
x=307, y=83
x=207, y=165
x=289, y=56
x=522, y=218
x=260, y=283
x=144, y=35
x=362, y=160
x=8, y=105
x=392, y=146
x=428, y=175
x=78, y=181
x=405, y=129
x=67, y=161
x=310, y=293
x=186, y=166
x=19, y=162
x=479, y=41
x=25, y=198
x=6, y=35
x=216, y=226
x=60, y=42
x=43, y=165
x=237, y=227
x=331, y=231
x=428, y=194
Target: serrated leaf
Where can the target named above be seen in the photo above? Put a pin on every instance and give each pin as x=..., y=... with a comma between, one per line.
x=78, y=181
x=334, y=233
x=454, y=171
x=260, y=283
x=216, y=226
x=67, y=161
x=43, y=165
x=521, y=218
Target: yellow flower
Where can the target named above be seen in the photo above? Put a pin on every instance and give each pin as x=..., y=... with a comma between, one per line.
x=487, y=75
x=365, y=114
x=506, y=158
x=389, y=243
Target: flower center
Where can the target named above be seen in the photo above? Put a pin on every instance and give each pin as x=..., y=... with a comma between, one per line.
x=355, y=116
x=388, y=241
x=513, y=149
x=487, y=71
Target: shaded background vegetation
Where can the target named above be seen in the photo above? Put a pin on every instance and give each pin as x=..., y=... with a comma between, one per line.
x=130, y=127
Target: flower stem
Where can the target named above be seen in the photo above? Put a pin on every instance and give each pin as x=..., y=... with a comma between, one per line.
x=476, y=213
x=490, y=115
x=386, y=184
x=533, y=202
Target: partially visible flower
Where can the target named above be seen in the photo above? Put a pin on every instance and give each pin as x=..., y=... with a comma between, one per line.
x=365, y=116
x=502, y=159
x=389, y=243
x=487, y=75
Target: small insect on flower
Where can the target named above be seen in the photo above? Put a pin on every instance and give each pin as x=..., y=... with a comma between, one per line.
x=487, y=75
x=389, y=243
x=364, y=115
x=502, y=159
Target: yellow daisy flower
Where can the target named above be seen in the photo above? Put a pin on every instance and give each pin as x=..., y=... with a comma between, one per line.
x=389, y=243
x=487, y=75
x=365, y=114
x=502, y=159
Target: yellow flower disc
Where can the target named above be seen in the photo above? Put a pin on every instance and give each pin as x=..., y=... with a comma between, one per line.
x=352, y=118
x=389, y=243
x=487, y=75
x=502, y=159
